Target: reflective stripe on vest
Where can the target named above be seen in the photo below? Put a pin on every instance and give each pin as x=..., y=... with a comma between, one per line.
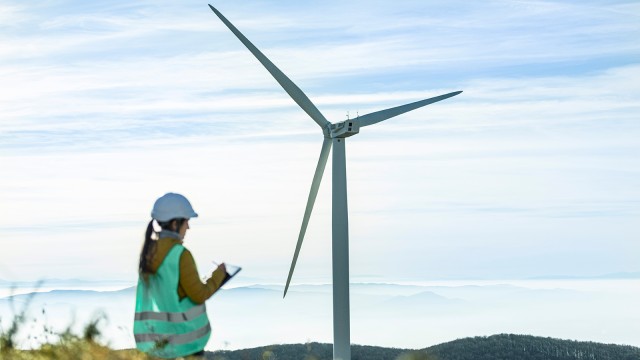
x=171, y=316
x=174, y=339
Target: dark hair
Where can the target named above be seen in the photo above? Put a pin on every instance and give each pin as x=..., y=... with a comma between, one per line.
x=148, y=249
x=149, y=246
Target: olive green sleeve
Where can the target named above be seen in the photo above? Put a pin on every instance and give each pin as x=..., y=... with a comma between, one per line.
x=190, y=281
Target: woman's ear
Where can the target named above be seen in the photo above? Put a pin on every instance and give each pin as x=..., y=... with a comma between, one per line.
x=174, y=225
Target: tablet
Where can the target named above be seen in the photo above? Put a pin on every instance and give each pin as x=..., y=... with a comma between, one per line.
x=232, y=270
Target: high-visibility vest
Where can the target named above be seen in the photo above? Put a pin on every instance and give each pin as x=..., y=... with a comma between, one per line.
x=165, y=326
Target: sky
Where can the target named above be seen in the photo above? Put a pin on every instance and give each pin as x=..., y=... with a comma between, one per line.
x=534, y=170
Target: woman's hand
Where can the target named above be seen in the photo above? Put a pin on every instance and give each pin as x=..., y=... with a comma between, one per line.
x=221, y=268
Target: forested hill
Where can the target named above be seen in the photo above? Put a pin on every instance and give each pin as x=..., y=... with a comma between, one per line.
x=496, y=347
x=525, y=347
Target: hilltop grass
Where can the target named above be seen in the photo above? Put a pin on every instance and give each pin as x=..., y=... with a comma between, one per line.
x=67, y=345
x=76, y=350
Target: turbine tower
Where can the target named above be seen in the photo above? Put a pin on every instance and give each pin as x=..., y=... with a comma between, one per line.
x=335, y=135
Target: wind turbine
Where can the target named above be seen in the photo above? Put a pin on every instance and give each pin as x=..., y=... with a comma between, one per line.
x=334, y=135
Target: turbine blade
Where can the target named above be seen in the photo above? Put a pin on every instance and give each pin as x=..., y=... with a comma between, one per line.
x=292, y=89
x=376, y=117
x=315, y=185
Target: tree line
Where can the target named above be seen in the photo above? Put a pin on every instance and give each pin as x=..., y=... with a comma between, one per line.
x=495, y=347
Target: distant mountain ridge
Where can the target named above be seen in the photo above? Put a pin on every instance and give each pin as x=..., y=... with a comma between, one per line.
x=408, y=316
x=610, y=276
x=495, y=347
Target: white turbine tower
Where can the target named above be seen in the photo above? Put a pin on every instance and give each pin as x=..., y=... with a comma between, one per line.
x=334, y=135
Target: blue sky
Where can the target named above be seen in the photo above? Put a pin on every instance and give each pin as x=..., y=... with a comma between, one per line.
x=534, y=170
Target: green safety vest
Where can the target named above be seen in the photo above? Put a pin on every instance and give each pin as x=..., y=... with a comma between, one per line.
x=164, y=325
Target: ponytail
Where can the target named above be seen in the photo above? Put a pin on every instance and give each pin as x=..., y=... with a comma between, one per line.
x=148, y=249
x=149, y=246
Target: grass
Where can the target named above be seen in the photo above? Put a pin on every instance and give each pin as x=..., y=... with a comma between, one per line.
x=59, y=345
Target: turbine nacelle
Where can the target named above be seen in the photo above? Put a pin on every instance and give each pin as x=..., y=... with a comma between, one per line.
x=344, y=129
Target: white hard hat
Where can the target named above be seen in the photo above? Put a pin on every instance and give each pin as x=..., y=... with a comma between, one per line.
x=172, y=206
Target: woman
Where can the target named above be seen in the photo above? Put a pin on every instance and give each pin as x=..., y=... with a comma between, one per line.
x=171, y=318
